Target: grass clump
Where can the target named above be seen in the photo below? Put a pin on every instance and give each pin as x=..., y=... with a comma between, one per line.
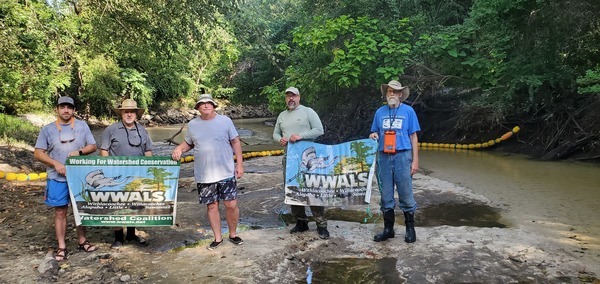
x=14, y=130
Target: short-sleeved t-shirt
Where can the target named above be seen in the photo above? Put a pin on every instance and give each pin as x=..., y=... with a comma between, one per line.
x=402, y=119
x=121, y=141
x=213, y=154
x=50, y=139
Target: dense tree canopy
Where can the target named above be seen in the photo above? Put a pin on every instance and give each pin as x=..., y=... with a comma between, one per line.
x=528, y=61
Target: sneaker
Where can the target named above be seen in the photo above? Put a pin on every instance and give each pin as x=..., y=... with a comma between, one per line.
x=323, y=233
x=236, y=240
x=214, y=245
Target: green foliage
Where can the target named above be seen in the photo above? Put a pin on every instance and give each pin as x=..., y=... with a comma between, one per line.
x=590, y=83
x=101, y=84
x=276, y=98
x=32, y=40
x=99, y=52
x=136, y=87
x=348, y=53
x=262, y=29
x=14, y=129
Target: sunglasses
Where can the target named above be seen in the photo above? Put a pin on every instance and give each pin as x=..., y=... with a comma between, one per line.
x=138, y=135
x=66, y=137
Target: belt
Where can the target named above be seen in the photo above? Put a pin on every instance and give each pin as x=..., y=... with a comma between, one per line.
x=397, y=151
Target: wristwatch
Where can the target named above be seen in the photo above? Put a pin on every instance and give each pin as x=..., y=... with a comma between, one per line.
x=80, y=153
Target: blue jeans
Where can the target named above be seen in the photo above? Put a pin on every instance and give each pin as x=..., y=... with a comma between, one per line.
x=395, y=170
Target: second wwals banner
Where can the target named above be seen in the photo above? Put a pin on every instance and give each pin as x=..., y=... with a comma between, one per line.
x=123, y=191
x=329, y=175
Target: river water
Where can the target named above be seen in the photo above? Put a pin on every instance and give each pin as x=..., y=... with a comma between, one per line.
x=559, y=199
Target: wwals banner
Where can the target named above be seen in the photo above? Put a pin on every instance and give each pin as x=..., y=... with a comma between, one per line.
x=329, y=175
x=123, y=191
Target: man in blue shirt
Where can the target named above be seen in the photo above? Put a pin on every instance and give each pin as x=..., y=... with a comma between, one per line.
x=395, y=125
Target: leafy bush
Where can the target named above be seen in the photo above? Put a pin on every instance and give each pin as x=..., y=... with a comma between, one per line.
x=14, y=129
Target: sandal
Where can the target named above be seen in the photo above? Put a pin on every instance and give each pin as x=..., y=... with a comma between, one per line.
x=87, y=247
x=61, y=254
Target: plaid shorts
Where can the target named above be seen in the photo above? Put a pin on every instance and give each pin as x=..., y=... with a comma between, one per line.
x=221, y=190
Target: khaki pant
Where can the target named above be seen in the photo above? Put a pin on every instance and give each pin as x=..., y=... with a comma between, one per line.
x=318, y=213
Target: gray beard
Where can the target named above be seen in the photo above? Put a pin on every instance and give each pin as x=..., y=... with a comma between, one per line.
x=392, y=102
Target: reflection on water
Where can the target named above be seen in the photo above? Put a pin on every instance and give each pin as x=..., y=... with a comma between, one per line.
x=254, y=133
x=561, y=196
x=356, y=270
x=470, y=214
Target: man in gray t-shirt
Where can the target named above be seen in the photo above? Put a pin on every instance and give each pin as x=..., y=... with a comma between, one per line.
x=56, y=142
x=126, y=138
x=215, y=141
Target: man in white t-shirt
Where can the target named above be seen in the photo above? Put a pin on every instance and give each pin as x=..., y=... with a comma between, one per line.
x=215, y=140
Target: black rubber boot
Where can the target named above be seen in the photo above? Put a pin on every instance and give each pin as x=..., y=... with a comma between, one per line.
x=389, y=218
x=301, y=226
x=409, y=221
x=130, y=233
x=119, y=239
x=132, y=237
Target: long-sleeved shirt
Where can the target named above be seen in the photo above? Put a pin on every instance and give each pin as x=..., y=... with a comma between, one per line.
x=303, y=121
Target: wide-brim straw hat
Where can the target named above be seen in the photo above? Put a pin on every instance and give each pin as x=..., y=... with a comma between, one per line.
x=129, y=104
x=396, y=86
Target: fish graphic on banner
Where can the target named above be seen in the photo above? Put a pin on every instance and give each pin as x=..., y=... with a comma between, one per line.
x=330, y=175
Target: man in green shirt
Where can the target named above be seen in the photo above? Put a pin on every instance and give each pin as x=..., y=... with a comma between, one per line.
x=294, y=124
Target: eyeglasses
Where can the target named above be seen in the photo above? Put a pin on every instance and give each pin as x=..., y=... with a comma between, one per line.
x=66, y=137
x=138, y=133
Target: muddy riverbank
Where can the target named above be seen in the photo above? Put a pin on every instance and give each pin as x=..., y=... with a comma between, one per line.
x=462, y=237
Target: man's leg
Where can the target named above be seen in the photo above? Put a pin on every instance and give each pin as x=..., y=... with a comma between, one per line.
x=232, y=215
x=60, y=225
x=319, y=215
x=214, y=218
x=299, y=214
x=119, y=238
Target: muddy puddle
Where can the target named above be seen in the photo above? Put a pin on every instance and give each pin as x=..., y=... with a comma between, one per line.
x=448, y=214
x=349, y=270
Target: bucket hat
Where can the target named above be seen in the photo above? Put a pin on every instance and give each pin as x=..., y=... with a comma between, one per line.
x=396, y=86
x=205, y=98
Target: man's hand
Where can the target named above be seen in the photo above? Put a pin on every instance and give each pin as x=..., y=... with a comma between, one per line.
x=60, y=169
x=374, y=135
x=176, y=155
x=295, y=137
x=239, y=170
x=283, y=141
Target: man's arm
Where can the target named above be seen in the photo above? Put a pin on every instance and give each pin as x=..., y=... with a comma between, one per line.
x=104, y=153
x=239, y=159
x=42, y=156
x=278, y=134
x=316, y=127
x=414, y=141
x=180, y=149
x=88, y=149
